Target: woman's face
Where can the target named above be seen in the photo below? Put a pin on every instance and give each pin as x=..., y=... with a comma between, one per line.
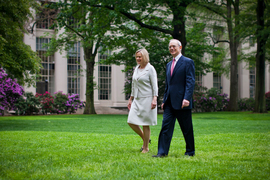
x=139, y=58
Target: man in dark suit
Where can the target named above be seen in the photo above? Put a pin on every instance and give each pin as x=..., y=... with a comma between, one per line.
x=177, y=100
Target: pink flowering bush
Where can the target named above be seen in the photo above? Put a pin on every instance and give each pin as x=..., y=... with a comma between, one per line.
x=209, y=100
x=46, y=101
x=60, y=100
x=10, y=91
x=73, y=103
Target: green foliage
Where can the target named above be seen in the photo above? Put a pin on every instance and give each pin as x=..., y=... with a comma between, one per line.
x=229, y=146
x=17, y=58
x=198, y=45
x=222, y=98
x=209, y=100
x=246, y=104
x=60, y=100
x=27, y=104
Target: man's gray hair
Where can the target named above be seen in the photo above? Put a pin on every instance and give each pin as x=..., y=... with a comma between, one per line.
x=179, y=43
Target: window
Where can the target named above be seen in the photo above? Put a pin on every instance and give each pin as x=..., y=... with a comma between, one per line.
x=73, y=22
x=45, y=17
x=104, y=78
x=198, y=78
x=217, y=81
x=73, y=69
x=47, y=72
x=217, y=32
x=252, y=41
x=198, y=82
x=252, y=82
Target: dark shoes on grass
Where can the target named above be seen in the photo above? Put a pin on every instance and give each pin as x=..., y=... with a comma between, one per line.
x=159, y=156
x=163, y=155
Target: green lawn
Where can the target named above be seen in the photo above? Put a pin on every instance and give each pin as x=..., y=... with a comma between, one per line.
x=228, y=146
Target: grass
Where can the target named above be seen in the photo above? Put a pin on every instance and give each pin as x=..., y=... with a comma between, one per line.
x=228, y=146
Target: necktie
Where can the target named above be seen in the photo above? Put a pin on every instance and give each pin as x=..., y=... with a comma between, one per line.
x=172, y=67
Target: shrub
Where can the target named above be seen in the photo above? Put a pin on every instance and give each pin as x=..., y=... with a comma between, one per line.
x=208, y=104
x=60, y=100
x=222, y=99
x=27, y=104
x=73, y=103
x=10, y=91
x=46, y=101
x=209, y=100
x=199, y=92
x=246, y=104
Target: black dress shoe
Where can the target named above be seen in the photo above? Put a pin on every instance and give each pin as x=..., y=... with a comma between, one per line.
x=189, y=154
x=159, y=156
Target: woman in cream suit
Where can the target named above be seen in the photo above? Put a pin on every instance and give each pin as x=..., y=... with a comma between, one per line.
x=143, y=100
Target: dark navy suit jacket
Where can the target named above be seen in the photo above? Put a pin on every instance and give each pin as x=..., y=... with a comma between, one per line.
x=180, y=85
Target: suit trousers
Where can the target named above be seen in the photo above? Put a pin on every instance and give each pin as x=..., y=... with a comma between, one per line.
x=185, y=121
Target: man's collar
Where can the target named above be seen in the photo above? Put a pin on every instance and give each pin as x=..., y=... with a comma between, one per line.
x=178, y=56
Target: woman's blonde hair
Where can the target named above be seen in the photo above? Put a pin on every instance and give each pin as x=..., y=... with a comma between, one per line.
x=145, y=55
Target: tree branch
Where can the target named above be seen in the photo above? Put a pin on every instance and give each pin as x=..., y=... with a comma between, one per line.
x=72, y=29
x=150, y=13
x=213, y=10
x=217, y=41
x=131, y=17
x=97, y=46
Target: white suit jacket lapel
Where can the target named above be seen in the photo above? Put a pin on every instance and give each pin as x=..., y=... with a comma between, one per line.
x=145, y=71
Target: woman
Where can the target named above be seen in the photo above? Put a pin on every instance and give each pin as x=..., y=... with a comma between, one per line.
x=143, y=108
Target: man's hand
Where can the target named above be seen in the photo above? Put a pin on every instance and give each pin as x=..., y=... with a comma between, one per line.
x=162, y=106
x=185, y=103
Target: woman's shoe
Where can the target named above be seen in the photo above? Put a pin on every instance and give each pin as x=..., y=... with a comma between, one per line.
x=143, y=152
x=142, y=147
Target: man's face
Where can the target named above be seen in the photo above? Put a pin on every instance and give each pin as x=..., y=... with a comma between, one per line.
x=174, y=48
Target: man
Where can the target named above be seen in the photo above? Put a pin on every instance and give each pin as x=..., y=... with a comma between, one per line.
x=177, y=100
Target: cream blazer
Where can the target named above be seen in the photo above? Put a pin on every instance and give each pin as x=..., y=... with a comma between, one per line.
x=145, y=84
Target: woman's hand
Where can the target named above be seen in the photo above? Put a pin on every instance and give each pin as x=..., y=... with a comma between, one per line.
x=129, y=103
x=154, y=103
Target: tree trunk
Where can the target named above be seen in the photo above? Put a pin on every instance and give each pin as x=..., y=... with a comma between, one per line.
x=179, y=31
x=233, y=105
x=260, y=61
x=90, y=62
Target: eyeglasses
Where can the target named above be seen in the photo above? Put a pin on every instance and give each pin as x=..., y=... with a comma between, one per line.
x=173, y=46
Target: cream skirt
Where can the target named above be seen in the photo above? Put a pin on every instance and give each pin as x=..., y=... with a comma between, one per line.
x=141, y=113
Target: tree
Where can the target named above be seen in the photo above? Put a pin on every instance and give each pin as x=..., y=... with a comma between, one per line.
x=262, y=33
x=150, y=24
x=229, y=11
x=87, y=25
x=152, y=15
x=255, y=26
x=17, y=58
